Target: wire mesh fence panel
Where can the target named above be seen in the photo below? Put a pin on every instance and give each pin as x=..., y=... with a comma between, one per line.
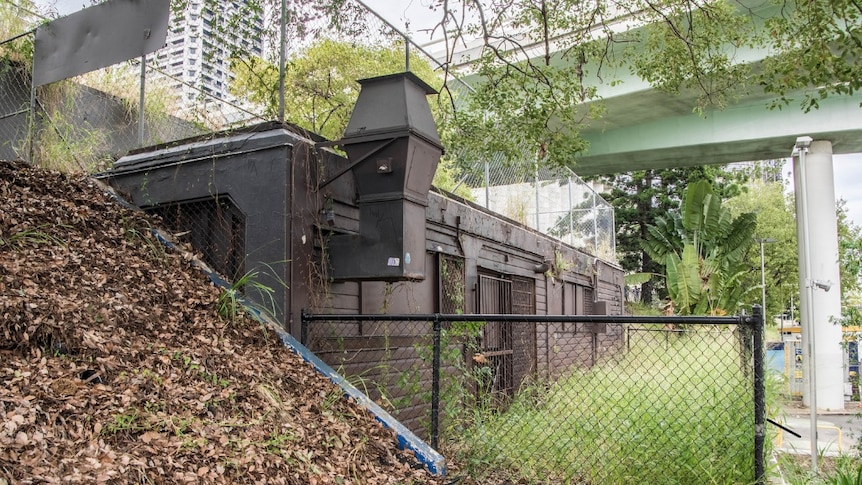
x=555, y=202
x=389, y=361
x=14, y=110
x=601, y=402
x=16, y=34
x=214, y=227
x=666, y=410
x=219, y=70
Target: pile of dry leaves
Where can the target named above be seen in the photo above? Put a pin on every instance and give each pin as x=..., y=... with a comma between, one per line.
x=116, y=367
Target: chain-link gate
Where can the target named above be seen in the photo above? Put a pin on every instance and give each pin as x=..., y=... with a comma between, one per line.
x=631, y=399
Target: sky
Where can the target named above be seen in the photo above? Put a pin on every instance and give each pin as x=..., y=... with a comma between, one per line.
x=848, y=183
x=413, y=16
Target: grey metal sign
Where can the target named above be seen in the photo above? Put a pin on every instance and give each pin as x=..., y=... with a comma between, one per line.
x=99, y=36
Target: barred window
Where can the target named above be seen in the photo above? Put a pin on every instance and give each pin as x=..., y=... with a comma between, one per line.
x=214, y=227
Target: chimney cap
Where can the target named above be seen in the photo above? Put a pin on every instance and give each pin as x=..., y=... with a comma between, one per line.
x=390, y=106
x=408, y=74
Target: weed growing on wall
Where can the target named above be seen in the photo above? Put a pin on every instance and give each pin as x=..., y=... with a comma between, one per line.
x=230, y=303
x=458, y=380
x=65, y=140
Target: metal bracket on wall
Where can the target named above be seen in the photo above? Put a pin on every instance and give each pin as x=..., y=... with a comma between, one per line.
x=346, y=169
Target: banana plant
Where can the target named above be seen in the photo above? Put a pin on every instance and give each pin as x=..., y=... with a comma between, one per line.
x=702, y=249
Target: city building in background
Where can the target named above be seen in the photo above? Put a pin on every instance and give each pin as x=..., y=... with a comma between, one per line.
x=200, y=44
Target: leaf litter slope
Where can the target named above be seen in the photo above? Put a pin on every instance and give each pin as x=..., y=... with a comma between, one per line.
x=116, y=367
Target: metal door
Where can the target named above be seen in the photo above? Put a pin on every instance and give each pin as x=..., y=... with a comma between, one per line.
x=495, y=296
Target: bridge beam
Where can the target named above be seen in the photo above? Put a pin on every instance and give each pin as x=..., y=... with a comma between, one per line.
x=741, y=132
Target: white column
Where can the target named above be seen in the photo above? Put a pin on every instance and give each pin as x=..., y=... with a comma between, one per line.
x=816, y=219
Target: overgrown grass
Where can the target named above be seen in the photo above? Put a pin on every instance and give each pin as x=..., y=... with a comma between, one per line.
x=679, y=413
x=837, y=470
x=30, y=238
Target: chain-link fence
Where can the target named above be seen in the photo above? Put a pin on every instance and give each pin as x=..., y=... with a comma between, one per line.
x=214, y=227
x=583, y=399
x=554, y=202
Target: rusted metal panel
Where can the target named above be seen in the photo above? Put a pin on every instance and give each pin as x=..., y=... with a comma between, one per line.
x=97, y=37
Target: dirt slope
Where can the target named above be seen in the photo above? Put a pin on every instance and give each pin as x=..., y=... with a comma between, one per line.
x=116, y=367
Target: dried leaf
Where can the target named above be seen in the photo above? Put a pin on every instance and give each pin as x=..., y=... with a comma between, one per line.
x=181, y=396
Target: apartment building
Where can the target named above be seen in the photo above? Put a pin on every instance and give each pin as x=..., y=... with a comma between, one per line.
x=201, y=41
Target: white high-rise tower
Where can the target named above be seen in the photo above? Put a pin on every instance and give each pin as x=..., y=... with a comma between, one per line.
x=199, y=55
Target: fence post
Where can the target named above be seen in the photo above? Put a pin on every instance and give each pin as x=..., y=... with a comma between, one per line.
x=282, y=59
x=435, y=384
x=756, y=322
x=31, y=123
x=406, y=53
x=141, y=103
x=303, y=327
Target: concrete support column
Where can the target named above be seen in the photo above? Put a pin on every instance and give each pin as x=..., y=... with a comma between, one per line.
x=819, y=278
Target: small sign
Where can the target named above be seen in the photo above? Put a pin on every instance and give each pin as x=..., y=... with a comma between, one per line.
x=394, y=262
x=98, y=36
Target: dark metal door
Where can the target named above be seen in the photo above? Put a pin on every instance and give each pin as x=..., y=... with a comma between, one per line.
x=495, y=296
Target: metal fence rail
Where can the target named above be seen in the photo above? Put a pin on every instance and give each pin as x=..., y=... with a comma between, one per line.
x=598, y=399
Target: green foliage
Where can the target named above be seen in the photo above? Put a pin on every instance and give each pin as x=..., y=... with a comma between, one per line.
x=321, y=90
x=776, y=220
x=528, y=103
x=847, y=477
x=849, y=251
x=702, y=248
x=445, y=178
x=537, y=64
x=638, y=308
x=817, y=45
x=839, y=470
x=30, y=237
x=458, y=397
x=523, y=112
x=640, y=198
x=145, y=238
x=13, y=22
x=231, y=304
x=131, y=421
x=682, y=50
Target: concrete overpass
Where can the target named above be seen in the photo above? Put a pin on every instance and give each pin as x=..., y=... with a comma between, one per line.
x=646, y=128
x=651, y=129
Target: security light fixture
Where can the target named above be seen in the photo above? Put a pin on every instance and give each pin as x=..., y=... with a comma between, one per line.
x=823, y=285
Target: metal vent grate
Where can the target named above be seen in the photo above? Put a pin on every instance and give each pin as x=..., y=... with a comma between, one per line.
x=451, y=282
x=214, y=227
